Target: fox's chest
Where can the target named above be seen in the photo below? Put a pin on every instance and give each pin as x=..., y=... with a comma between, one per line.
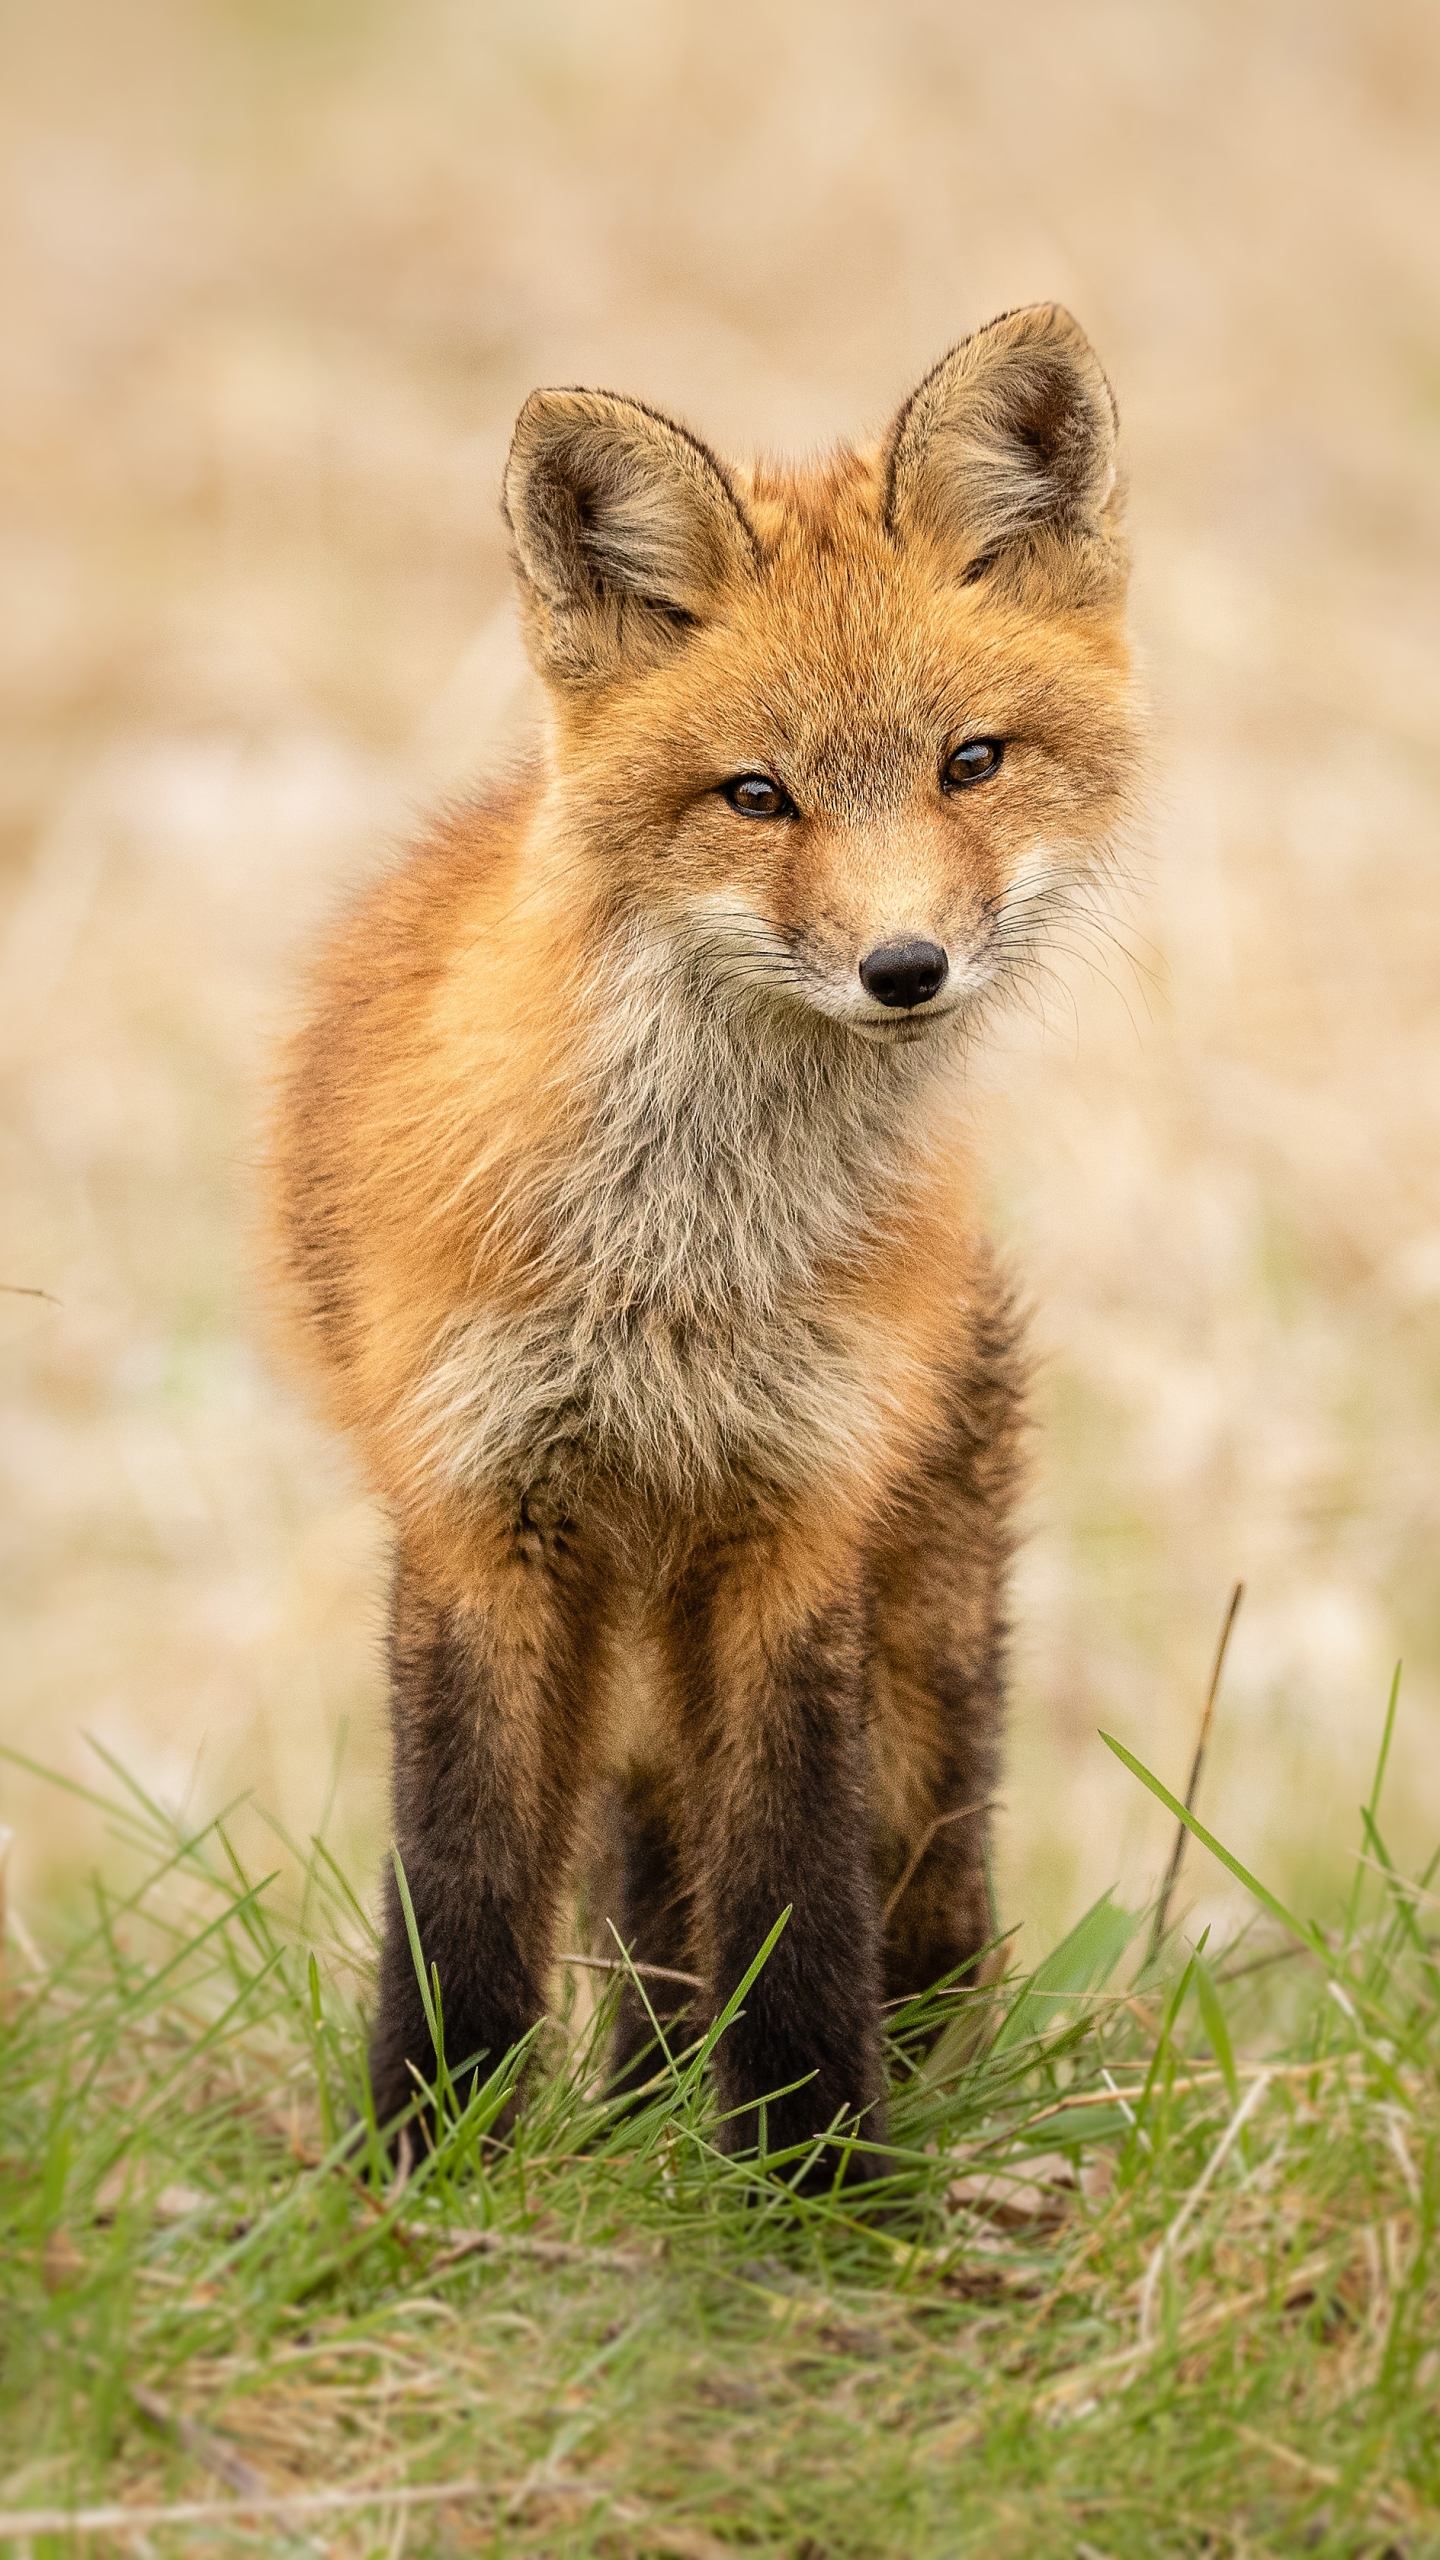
x=673, y=1405
x=705, y=1299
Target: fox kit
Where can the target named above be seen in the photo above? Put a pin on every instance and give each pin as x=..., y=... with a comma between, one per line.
x=622, y=1204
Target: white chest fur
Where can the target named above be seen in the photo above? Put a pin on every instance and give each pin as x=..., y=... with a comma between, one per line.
x=678, y=1336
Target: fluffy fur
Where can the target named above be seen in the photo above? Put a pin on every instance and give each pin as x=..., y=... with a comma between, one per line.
x=632, y=1241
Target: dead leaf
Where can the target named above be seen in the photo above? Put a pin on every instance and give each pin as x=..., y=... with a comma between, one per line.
x=174, y=2203
x=61, y=2263
x=1041, y=2187
x=121, y=2188
x=1097, y=2176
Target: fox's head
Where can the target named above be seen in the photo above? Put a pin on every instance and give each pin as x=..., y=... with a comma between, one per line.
x=851, y=735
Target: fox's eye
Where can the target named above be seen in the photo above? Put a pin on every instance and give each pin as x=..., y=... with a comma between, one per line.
x=974, y=762
x=757, y=795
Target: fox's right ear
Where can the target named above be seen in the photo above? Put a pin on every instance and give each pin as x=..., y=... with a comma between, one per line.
x=626, y=531
x=1004, y=459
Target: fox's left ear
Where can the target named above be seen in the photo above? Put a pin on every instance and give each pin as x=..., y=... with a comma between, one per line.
x=1005, y=458
x=626, y=532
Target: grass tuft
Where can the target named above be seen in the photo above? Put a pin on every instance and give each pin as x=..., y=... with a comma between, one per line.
x=1152, y=2269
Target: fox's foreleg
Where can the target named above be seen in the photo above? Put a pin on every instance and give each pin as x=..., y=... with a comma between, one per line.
x=491, y=1703
x=771, y=1675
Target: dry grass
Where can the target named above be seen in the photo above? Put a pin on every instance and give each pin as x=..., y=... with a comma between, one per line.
x=276, y=279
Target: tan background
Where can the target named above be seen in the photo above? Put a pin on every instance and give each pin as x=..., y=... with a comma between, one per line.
x=276, y=278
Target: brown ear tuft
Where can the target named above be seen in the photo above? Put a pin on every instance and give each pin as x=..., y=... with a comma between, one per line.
x=1010, y=440
x=626, y=529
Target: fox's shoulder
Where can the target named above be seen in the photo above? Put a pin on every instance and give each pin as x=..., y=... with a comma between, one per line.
x=398, y=935
x=381, y=1036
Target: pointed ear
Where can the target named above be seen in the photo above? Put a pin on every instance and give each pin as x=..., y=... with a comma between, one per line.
x=1005, y=457
x=626, y=531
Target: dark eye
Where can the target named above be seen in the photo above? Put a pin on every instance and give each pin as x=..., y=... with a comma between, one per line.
x=757, y=795
x=974, y=762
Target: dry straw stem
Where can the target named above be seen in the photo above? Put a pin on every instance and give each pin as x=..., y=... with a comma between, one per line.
x=11, y=1924
x=1186, y=2082
x=1126, y=2362
x=1165, y=2254
x=940, y=1823
x=626, y=1964
x=207, y=2449
x=682, y=2542
x=23, y=2521
x=1172, y=1872
x=1322, y=2473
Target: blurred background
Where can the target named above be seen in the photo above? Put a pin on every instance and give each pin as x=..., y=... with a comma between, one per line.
x=277, y=274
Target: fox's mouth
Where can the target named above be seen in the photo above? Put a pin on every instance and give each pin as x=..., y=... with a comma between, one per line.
x=897, y=1030
x=890, y=1026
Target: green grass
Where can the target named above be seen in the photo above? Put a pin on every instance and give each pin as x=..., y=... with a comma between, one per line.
x=1155, y=2271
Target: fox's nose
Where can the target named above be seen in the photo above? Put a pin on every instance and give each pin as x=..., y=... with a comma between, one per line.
x=904, y=973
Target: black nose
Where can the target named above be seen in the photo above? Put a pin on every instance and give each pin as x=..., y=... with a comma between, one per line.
x=904, y=972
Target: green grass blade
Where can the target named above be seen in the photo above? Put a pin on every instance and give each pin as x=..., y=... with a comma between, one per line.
x=1083, y=1962
x=417, y=1952
x=1370, y=1813
x=1216, y=2025
x=352, y=1901
x=1308, y=1935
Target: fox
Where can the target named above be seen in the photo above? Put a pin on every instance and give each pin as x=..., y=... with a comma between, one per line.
x=626, y=1218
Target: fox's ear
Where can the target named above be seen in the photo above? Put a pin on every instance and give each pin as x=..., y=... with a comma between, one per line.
x=1005, y=456
x=626, y=531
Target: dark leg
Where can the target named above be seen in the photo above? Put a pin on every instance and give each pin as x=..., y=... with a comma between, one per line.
x=938, y=1674
x=490, y=1709
x=639, y=1885
x=772, y=1684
